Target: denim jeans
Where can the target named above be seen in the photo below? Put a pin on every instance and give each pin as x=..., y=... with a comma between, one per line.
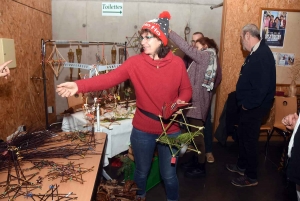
x=143, y=145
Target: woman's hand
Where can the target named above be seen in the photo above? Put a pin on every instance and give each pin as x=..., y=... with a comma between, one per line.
x=67, y=89
x=4, y=70
x=290, y=121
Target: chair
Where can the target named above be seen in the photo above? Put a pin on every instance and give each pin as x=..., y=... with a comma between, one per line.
x=268, y=126
x=283, y=106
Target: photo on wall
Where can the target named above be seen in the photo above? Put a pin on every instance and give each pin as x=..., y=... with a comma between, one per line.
x=275, y=54
x=286, y=59
x=273, y=27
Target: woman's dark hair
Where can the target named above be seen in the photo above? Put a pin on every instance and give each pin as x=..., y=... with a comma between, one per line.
x=162, y=50
x=209, y=42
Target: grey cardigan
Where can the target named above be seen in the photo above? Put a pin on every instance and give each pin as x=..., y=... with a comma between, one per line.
x=201, y=98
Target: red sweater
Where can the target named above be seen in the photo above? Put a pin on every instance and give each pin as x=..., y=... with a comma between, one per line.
x=154, y=81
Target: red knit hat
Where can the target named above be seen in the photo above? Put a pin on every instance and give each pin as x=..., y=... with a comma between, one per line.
x=160, y=26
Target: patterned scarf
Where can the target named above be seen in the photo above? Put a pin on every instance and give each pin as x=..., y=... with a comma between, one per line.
x=210, y=73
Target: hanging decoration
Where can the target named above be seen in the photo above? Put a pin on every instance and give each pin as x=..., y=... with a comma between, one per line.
x=134, y=42
x=71, y=60
x=78, y=55
x=98, y=57
x=56, y=61
x=187, y=31
x=121, y=55
x=37, y=83
x=113, y=54
x=103, y=60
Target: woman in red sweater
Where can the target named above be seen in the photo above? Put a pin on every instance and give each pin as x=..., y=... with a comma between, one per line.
x=158, y=77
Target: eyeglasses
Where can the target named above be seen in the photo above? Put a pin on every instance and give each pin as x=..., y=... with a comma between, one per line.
x=141, y=38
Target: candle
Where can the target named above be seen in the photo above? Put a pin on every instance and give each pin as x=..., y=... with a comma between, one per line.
x=98, y=118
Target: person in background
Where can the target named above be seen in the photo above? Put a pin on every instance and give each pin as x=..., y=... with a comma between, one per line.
x=208, y=130
x=158, y=77
x=208, y=44
x=255, y=91
x=292, y=122
x=197, y=35
x=208, y=125
x=272, y=23
x=4, y=70
x=202, y=85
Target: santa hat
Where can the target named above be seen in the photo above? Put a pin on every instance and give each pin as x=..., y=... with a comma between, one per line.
x=159, y=27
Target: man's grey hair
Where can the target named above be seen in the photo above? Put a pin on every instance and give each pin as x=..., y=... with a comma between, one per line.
x=252, y=29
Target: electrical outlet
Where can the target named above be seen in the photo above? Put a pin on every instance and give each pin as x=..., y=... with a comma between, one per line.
x=50, y=109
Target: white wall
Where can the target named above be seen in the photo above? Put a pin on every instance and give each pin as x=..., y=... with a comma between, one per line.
x=82, y=20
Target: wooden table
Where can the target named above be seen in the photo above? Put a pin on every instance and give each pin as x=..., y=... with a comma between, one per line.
x=84, y=192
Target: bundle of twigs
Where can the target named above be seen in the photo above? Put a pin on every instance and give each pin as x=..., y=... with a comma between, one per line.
x=38, y=145
x=181, y=139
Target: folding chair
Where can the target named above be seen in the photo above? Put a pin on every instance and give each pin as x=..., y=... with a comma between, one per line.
x=283, y=107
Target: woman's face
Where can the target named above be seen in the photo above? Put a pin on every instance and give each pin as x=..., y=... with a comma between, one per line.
x=199, y=46
x=150, y=43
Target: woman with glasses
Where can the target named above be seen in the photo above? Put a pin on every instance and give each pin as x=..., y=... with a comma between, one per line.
x=158, y=77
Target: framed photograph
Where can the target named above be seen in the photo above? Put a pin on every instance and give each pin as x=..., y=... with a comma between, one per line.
x=286, y=59
x=273, y=27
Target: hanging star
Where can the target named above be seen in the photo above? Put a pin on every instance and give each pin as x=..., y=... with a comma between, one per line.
x=56, y=61
x=133, y=42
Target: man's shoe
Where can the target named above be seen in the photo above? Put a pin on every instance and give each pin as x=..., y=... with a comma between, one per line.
x=244, y=181
x=188, y=165
x=210, y=157
x=235, y=168
x=197, y=172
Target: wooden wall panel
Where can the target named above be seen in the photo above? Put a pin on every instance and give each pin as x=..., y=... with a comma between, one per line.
x=41, y=5
x=21, y=98
x=236, y=14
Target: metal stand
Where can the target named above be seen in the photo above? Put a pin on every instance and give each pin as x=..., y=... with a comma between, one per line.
x=65, y=42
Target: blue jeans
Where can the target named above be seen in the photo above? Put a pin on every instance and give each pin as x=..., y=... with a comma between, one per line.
x=207, y=132
x=143, y=145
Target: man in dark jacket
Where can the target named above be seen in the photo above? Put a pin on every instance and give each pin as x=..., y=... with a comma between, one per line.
x=255, y=92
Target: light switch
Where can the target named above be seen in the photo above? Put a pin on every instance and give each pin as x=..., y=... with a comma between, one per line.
x=7, y=52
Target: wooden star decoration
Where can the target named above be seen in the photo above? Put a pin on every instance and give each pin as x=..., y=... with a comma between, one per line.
x=183, y=140
x=56, y=61
x=51, y=194
x=16, y=179
x=68, y=172
x=133, y=42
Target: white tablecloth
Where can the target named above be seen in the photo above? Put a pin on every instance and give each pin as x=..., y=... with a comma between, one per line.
x=118, y=138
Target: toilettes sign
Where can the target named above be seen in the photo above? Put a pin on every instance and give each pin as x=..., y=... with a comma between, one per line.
x=112, y=9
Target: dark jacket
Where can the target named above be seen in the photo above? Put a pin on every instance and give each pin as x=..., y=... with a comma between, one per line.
x=257, y=82
x=293, y=172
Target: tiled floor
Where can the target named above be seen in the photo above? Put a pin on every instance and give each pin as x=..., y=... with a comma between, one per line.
x=216, y=185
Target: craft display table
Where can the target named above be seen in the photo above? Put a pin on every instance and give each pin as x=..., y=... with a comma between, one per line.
x=118, y=136
x=83, y=192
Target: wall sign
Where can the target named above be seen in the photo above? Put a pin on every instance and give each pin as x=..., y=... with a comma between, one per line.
x=112, y=9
